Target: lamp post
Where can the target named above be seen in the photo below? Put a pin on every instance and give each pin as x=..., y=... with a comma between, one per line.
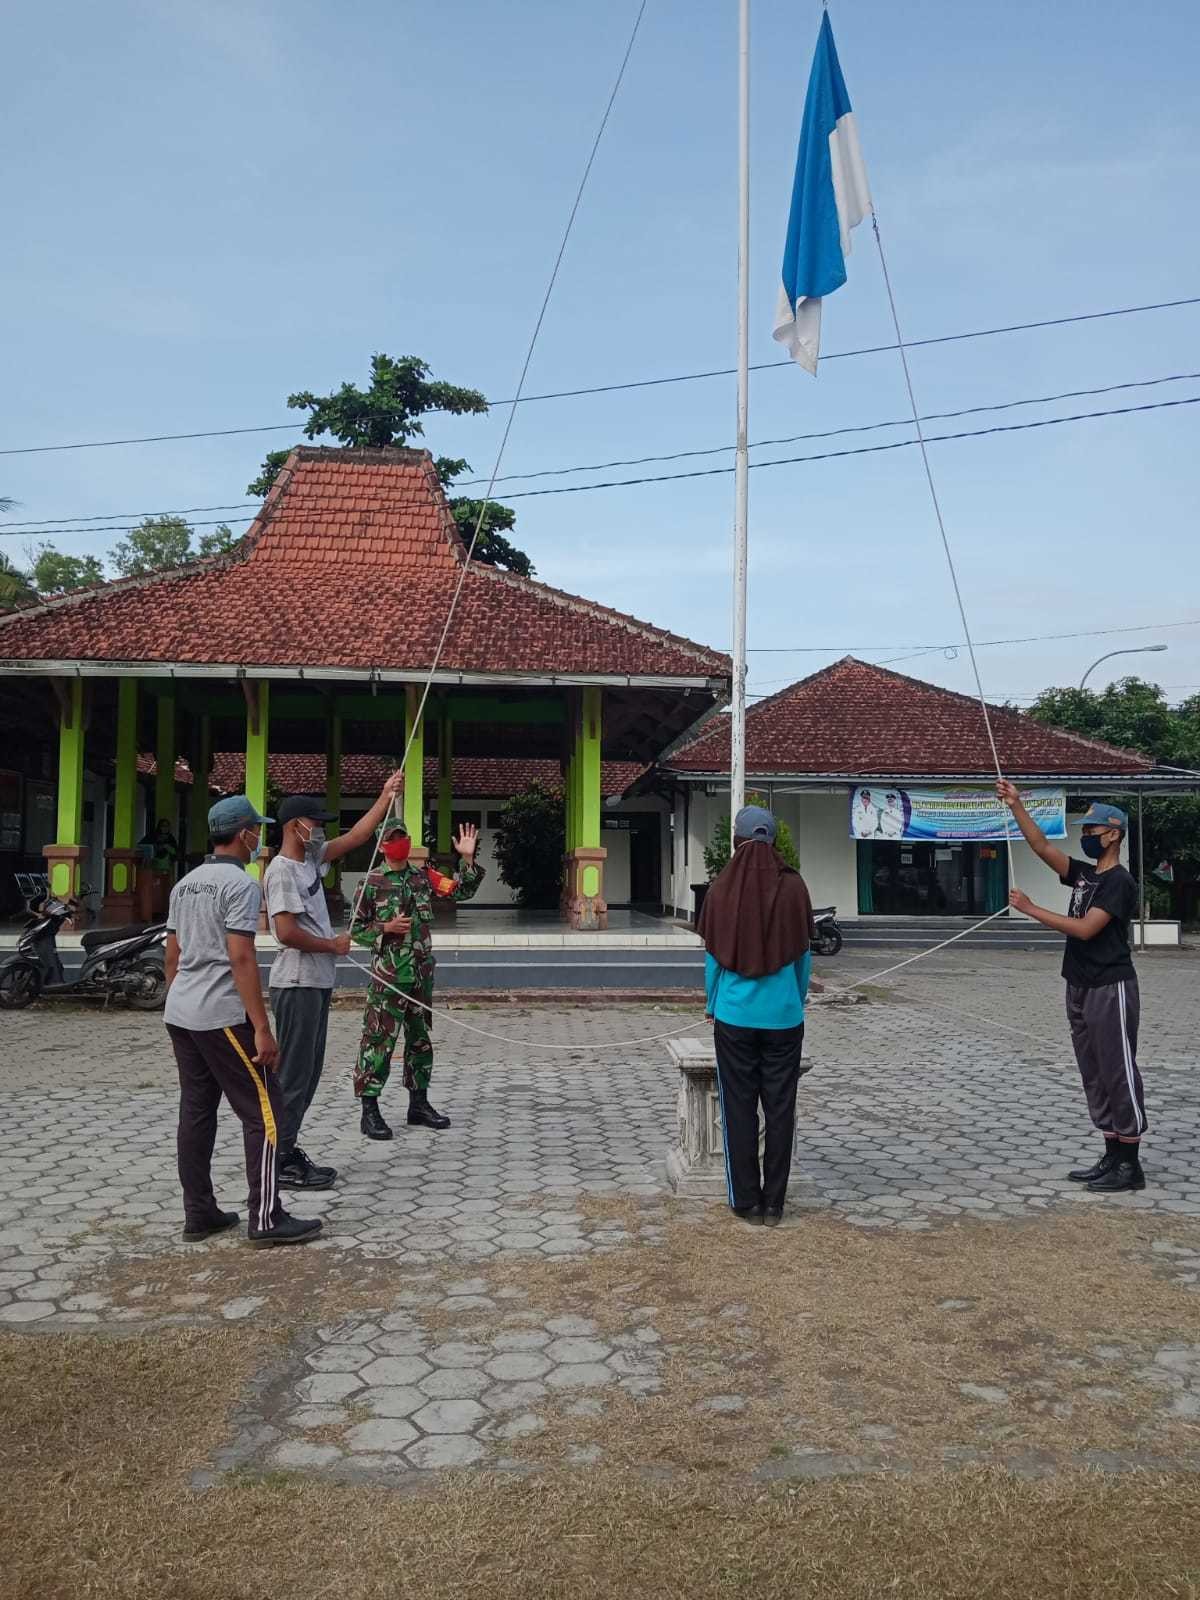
x=1136, y=650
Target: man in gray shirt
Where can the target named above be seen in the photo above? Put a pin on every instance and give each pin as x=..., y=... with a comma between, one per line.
x=219, y=1030
x=304, y=971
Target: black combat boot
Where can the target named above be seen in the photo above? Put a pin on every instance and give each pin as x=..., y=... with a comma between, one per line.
x=372, y=1124
x=421, y=1114
x=1125, y=1174
x=1100, y=1168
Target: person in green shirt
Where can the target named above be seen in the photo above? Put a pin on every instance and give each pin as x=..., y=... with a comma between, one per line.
x=393, y=918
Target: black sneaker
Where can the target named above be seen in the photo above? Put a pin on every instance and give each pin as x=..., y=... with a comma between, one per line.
x=193, y=1232
x=286, y=1229
x=751, y=1215
x=772, y=1219
x=296, y=1171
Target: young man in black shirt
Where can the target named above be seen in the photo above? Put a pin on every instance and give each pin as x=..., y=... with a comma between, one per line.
x=1102, y=987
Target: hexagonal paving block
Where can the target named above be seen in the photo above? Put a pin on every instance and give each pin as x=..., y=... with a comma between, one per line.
x=298, y=1453
x=571, y=1327
x=317, y=1417
x=581, y=1375
x=389, y=1370
x=445, y=1450
x=534, y=1339
x=325, y=1388
x=515, y=1365
x=339, y=1358
x=513, y=1396
x=449, y=1416
x=382, y=1433
x=399, y=1344
x=569, y=1350
x=458, y=1353
x=397, y=1400
x=455, y=1383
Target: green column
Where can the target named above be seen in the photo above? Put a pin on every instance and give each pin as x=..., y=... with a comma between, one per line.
x=258, y=719
x=63, y=874
x=445, y=782
x=125, y=784
x=333, y=784
x=164, y=756
x=591, y=724
x=201, y=764
x=414, y=768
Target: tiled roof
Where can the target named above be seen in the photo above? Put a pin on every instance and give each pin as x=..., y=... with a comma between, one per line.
x=473, y=777
x=352, y=563
x=857, y=720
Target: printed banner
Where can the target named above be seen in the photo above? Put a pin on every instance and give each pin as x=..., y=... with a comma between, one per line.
x=886, y=812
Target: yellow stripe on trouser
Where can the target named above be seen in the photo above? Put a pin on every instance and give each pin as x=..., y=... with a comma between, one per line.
x=264, y=1099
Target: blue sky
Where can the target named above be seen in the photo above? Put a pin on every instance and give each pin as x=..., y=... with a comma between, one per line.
x=212, y=205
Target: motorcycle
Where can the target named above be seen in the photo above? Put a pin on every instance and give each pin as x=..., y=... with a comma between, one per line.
x=829, y=936
x=124, y=962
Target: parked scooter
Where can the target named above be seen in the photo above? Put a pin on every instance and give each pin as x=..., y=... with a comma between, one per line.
x=829, y=936
x=126, y=963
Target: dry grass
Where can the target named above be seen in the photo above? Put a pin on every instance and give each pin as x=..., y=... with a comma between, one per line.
x=96, y=1507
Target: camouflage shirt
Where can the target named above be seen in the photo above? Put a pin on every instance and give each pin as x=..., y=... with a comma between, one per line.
x=407, y=891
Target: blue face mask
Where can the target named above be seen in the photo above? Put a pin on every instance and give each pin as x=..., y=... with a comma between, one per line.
x=257, y=850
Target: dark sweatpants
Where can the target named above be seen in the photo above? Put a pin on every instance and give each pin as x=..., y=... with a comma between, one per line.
x=1104, y=1031
x=301, y=1026
x=212, y=1062
x=753, y=1065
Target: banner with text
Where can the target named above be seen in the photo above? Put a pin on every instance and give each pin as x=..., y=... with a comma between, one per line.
x=886, y=812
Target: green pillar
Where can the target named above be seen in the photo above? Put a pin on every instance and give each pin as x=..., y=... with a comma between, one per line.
x=63, y=856
x=333, y=784
x=591, y=722
x=125, y=785
x=414, y=769
x=201, y=764
x=258, y=719
x=164, y=756
x=445, y=782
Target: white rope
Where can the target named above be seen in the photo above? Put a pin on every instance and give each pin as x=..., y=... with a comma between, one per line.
x=937, y=511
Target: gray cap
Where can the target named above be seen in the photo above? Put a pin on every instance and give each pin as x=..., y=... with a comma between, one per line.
x=754, y=822
x=235, y=811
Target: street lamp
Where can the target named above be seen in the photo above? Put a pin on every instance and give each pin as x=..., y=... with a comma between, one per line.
x=1136, y=650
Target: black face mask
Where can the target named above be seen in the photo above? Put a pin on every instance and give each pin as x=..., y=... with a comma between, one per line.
x=1093, y=846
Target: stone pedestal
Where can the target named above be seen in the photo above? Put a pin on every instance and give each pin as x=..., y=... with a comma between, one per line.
x=64, y=867
x=583, y=895
x=120, y=887
x=696, y=1161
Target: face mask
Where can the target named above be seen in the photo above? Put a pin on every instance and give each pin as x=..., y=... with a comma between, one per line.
x=1093, y=846
x=256, y=848
x=314, y=841
x=395, y=851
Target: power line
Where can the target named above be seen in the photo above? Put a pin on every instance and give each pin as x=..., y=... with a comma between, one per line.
x=637, y=383
x=712, y=472
x=679, y=455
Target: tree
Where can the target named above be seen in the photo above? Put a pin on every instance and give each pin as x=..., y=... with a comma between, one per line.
x=530, y=845
x=155, y=545
x=16, y=587
x=219, y=542
x=716, y=852
x=389, y=412
x=56, y=573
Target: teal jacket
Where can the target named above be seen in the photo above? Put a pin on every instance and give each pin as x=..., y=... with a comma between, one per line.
x=776, y=1001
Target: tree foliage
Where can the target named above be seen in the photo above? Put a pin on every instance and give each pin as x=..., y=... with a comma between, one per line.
x=159, y=544
x=389, y=411
x=1135, y=715
x=55, y=573
x=716, y=852
x=16, y=586
x=531, y=844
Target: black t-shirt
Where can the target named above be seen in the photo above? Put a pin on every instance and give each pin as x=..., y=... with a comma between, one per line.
x=1092, y=963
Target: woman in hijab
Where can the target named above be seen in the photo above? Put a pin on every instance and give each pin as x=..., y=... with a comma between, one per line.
x=757, y=927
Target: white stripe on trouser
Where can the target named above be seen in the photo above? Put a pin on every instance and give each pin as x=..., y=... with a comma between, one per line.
x=725, y=1137
x=1128, y=1055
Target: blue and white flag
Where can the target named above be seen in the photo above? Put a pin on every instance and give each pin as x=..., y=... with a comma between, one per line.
x=830, y=196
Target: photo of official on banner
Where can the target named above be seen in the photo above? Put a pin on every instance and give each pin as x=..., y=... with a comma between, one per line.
x=887, y=812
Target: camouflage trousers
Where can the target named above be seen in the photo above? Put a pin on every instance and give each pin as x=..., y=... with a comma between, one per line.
x=386, y=1015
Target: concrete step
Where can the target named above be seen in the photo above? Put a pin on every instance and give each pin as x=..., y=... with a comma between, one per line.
x=1003, y=933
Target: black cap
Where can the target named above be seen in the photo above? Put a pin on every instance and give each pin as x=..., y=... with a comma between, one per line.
x=305, y=806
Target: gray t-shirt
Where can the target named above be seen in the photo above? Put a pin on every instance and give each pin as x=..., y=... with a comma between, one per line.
x=218, y=898
x=296, y=886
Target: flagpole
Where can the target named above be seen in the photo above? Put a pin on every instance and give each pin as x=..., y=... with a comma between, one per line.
x=741, y=493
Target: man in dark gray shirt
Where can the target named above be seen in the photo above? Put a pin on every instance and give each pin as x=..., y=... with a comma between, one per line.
x=304, y=971
x=219, y=1030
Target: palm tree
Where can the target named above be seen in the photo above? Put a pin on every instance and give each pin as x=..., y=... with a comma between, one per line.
x=16, y=587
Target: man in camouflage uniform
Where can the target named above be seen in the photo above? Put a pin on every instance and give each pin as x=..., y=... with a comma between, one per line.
x=394, y=915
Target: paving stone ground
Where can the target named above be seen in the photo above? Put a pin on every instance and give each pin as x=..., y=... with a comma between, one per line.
x=953, y=1095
